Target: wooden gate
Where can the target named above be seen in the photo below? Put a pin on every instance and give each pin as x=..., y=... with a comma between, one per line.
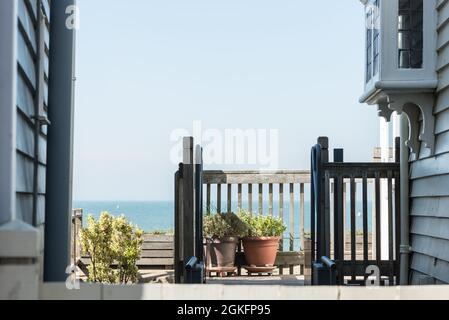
x=189, y=264
x=372, y=234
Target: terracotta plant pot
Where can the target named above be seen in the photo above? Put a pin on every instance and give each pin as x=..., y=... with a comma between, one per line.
x=221, y=252
x=261, y=251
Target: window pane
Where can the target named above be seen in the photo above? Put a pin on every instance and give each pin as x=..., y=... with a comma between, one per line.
x=404, y=40
x=410, y=34
x=404, y=59
x=369, y=38
x=372, y=39
x=416, y=59
x=416, y=21
x=376, y=45
x=417, y=40
x=416, y=5
x=404, y=4
x=376, y=65
x=404, y=21
x=368, y=72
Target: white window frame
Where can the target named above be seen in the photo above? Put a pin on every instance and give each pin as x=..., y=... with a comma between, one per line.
x=372, y=23
x=390, y=76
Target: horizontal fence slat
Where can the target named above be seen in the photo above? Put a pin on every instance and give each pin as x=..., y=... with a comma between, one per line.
x=158, y=238
x=158, y=246
x=255, y=177
x=157, y=254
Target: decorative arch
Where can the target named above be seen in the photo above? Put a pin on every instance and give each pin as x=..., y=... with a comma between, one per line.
x=417, y=107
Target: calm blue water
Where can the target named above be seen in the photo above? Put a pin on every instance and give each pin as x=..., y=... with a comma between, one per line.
x=148, y=216
x=158, y=215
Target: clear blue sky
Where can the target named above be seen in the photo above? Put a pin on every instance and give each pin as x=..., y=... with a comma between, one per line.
x=145, y=68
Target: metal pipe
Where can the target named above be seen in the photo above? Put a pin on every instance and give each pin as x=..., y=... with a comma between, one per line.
x=60, y=143
x=38, y=101
x=405, y=203
x=328, y=263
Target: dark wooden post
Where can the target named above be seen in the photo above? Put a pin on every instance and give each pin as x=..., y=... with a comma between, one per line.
x=339, y=216
x=323, y=216
x=188, y=200
x=199, y=203
x=339, y=156
x=178, y=256
x=77, y=225
x=397, y=150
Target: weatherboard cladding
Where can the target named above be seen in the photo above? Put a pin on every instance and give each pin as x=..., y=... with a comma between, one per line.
x=429, y=188
x=31, y=163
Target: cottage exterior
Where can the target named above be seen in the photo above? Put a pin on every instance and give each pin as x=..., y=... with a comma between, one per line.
x=35, y=146
x=407, y=59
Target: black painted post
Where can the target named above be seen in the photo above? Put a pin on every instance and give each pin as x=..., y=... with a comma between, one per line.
x=178, y=261
x=397, y=149
x=338, y=215
x=188, y=200
x=199, y=203
x=338, y=155
x=60, y=144
x=323, y=209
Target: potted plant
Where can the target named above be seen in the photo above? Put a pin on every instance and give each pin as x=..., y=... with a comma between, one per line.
x=261, y=242
x=222, y=232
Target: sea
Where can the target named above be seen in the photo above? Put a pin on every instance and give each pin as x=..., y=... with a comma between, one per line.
x=158, y=216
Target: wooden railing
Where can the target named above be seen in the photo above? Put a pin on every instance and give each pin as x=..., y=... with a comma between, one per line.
x=292, y=184
x=280, y=193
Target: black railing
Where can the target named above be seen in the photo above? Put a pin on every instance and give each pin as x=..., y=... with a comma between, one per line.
x=352, y=248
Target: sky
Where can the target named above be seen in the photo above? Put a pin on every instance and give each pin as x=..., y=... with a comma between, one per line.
x=146, y=68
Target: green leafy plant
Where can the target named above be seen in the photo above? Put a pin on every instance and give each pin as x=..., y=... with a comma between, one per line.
x=126, y=245
x=111, y=240
x=221, y=225
x=262, y=226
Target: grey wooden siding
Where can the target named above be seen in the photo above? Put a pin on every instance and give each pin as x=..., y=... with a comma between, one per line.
x=31, y=139
x=430, y=181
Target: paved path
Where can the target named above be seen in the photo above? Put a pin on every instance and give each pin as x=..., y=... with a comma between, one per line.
x=262, y=280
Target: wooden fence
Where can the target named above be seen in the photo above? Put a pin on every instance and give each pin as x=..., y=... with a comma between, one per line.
x=259, y=192
x=333, y=232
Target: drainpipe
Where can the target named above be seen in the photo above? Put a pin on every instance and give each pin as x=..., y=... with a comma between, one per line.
x=60, y=143
x=405, y=203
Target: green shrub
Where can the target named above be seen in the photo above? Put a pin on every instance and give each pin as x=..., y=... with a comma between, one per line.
x=127, y=246
x=111, y=240
x=221, y=225
x=262, y=226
